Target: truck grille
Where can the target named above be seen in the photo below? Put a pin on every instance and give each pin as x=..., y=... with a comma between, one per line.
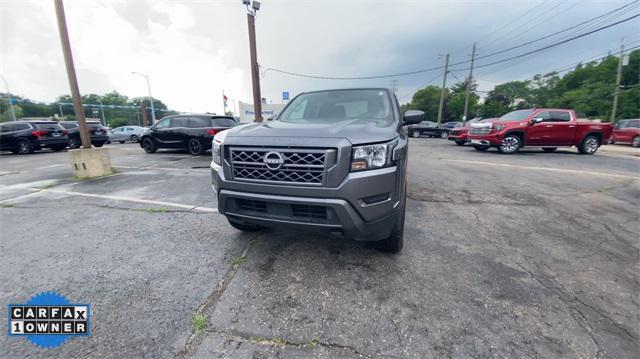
x=484, y=130
x=301, y=166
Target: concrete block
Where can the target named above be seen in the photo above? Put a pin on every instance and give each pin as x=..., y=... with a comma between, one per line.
x=89, y=163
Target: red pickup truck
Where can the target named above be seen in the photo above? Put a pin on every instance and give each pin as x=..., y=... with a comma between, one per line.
x=548, y=128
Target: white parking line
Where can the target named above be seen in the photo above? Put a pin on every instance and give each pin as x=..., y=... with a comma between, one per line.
x=116, y=198
x=537, y=168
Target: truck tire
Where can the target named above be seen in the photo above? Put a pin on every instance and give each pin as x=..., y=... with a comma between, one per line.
x=549, y=149
x=510, y=144
x=589, y=145
x=415, y=134
x=245, y=227
x=635, y=142
x=480, y=148
x=393, y=243
x=149, y=146
x=460, y=143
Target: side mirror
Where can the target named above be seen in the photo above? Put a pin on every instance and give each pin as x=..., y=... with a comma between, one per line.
x=412, y=117
x=536, y=120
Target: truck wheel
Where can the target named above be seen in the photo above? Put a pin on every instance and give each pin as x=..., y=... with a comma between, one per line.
x=393, y=243
x=444, y=135
x=636, y=141
x=195, y=147
x=460, y=143
x=480, y=148
x=589, y=145
x=149, y=146
x=510, y=144
x=243, y=226
x=415, y=134
x=549, y=149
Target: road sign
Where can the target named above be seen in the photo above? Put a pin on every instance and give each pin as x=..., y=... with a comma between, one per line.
x=285, y=95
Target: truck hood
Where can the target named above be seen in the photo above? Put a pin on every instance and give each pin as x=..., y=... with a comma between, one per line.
x=356, y=131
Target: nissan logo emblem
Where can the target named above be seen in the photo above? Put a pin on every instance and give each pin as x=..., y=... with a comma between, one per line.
x=273, y=160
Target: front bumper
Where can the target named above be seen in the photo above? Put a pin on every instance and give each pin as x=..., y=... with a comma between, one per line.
x=492, y=139
x=341, y=210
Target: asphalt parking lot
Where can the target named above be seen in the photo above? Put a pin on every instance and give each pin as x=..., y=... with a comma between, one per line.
x=527, y=255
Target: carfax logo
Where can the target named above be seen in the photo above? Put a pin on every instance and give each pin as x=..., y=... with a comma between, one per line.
x=49, y=319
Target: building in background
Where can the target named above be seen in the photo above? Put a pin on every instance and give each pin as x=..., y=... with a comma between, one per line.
x=247, y=114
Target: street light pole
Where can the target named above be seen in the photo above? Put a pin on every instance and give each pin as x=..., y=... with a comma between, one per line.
x=153, y=110
x=10, y=101
x=252, y=9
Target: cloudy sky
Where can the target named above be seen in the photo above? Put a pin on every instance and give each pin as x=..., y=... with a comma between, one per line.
x=193, y=50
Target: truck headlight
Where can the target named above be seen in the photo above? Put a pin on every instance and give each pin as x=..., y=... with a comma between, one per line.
x=216, y=152
x=368, y=157
x=499, y=126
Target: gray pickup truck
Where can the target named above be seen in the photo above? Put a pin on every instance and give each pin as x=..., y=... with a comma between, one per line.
x=332, y=160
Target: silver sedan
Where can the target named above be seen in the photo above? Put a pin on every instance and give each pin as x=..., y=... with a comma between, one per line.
x=126, y=133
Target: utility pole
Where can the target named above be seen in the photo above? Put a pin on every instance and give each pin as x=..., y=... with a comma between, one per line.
x=469, y=82
x=143, y=114
x=71, y=74
x=153, y=110
x=444, y=88
x=255, y=71
x=616, y=92
x=9, y=99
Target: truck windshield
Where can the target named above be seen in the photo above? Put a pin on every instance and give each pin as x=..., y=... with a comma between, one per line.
x=335, y=106
x=516, y=115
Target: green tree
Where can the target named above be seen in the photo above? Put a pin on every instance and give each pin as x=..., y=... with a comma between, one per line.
x=118, y=121
x=6, y=114
x=427, y=100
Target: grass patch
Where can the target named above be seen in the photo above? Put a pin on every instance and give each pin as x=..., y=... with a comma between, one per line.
x=199, y=322
x=237, y=261
x=313, y=343
x=7, y=205
x=157, y=210
x=49, y=185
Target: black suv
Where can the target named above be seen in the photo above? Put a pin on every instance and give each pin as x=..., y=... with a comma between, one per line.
x=191, y=132
x=24, y=137
x=333, y=160
x=99, y=134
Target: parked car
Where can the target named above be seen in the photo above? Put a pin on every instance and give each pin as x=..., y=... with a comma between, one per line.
x=545, y=127
x=459, y=134
x=333, y=160
x=191, y=132
x=428, y=128
x=97, y=132
x=451, y=124
x=627, y=131
x=126, y=133
x=24, y=137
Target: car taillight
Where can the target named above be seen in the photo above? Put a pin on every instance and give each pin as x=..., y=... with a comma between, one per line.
x=212, y=131
x=38, y=133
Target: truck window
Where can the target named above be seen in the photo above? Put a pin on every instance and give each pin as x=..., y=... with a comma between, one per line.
x=544, y=115
x=559, y=116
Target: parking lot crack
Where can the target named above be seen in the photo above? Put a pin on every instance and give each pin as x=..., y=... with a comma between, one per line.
x=284, y=342
x=196, y=337
x=572, y=300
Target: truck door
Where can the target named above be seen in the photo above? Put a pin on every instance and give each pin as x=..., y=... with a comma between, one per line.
x=556, y=129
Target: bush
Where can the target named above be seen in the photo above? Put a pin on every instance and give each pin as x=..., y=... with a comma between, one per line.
x=117, y=122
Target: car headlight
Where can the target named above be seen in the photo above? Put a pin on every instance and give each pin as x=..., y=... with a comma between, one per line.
x=499, y=126
x=368, y=157
x=216, y=152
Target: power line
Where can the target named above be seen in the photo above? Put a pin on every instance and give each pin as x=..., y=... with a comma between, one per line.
x=557, y=32
x=321, y=77
x=557, y=43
